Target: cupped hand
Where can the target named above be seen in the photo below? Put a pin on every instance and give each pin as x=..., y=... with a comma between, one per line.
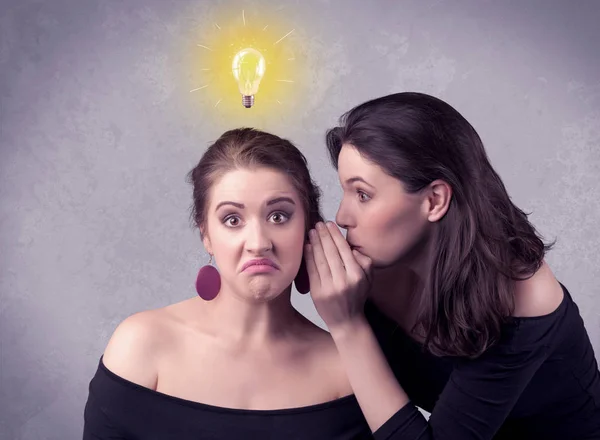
x=340, y=277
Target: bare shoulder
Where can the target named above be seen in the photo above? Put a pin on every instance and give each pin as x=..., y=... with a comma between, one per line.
x=539, y=295
x=135, y=346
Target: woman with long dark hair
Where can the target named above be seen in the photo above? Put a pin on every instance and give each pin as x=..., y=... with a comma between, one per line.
x=439, y=297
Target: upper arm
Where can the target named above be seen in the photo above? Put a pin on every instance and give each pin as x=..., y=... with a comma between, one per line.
x=132, y=350
x=480, y=394
x=98, y=425
x=475, y=403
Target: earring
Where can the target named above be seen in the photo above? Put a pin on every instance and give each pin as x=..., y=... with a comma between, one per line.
x=208, y=282
x=302, y=281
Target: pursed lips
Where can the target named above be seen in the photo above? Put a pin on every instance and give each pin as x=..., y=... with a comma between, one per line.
x=259, y=262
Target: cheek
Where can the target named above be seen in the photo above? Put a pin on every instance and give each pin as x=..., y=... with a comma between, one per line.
x=225, y=246
x=292, y=242
x=224, y=253
x=290, y=246
x=393, y=231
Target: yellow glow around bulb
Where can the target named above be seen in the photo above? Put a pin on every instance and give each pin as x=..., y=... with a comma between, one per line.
x=248, y=68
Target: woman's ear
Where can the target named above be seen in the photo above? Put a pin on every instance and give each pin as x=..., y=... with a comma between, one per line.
x=438, y=198
x=206, y=240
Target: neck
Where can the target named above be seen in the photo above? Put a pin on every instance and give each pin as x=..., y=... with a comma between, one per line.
x=418, y=259
x=250, y=322
x=397, y=288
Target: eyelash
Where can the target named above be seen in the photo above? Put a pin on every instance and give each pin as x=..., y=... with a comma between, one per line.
x=284, y=214
x=362, y=193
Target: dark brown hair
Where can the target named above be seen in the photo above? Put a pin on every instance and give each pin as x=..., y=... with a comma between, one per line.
x=483, y=243
x=251, y=148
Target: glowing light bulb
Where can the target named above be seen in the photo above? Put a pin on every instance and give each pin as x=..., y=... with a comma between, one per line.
x=248, y=69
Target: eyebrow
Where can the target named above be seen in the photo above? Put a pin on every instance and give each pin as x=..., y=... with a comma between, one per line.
x=358, y=179
x=237, y=205
x=281, y=199
x=269, y=203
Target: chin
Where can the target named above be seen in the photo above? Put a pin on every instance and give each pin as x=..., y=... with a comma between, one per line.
x=264, y=290
x=376, y=259
x=383, y=264
x=384, y=261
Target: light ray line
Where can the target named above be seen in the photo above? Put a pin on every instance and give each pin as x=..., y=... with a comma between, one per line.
x=199, y=88
x=284, y=36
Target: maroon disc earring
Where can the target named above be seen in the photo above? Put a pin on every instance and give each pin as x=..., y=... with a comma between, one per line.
x=208, y=282
x=302, y=281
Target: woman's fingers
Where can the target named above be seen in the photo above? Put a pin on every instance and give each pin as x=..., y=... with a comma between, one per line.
x=311, y=267
x=364, y=262
x=332, y=254
x=343, y=248
x=332, y=261
x=319, y=257
x=343, y=276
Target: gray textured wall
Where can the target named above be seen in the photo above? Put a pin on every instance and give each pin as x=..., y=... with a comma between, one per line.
x=98, y=129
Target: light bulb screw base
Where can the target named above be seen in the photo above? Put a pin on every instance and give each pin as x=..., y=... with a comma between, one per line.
x=247, y=100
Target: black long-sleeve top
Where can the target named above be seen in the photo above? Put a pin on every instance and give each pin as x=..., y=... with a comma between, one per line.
x=541, y=381
x=118, y=409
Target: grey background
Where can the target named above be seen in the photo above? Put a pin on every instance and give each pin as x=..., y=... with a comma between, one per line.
x=98, y=130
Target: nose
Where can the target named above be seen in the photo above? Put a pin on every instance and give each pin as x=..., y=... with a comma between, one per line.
x=258, y=241
x=343, y=217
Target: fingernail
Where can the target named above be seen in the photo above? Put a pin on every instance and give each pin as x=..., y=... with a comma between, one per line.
x=312, y=233
x=320, y=225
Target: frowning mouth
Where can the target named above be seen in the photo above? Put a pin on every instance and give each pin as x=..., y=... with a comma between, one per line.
x=259, y=265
